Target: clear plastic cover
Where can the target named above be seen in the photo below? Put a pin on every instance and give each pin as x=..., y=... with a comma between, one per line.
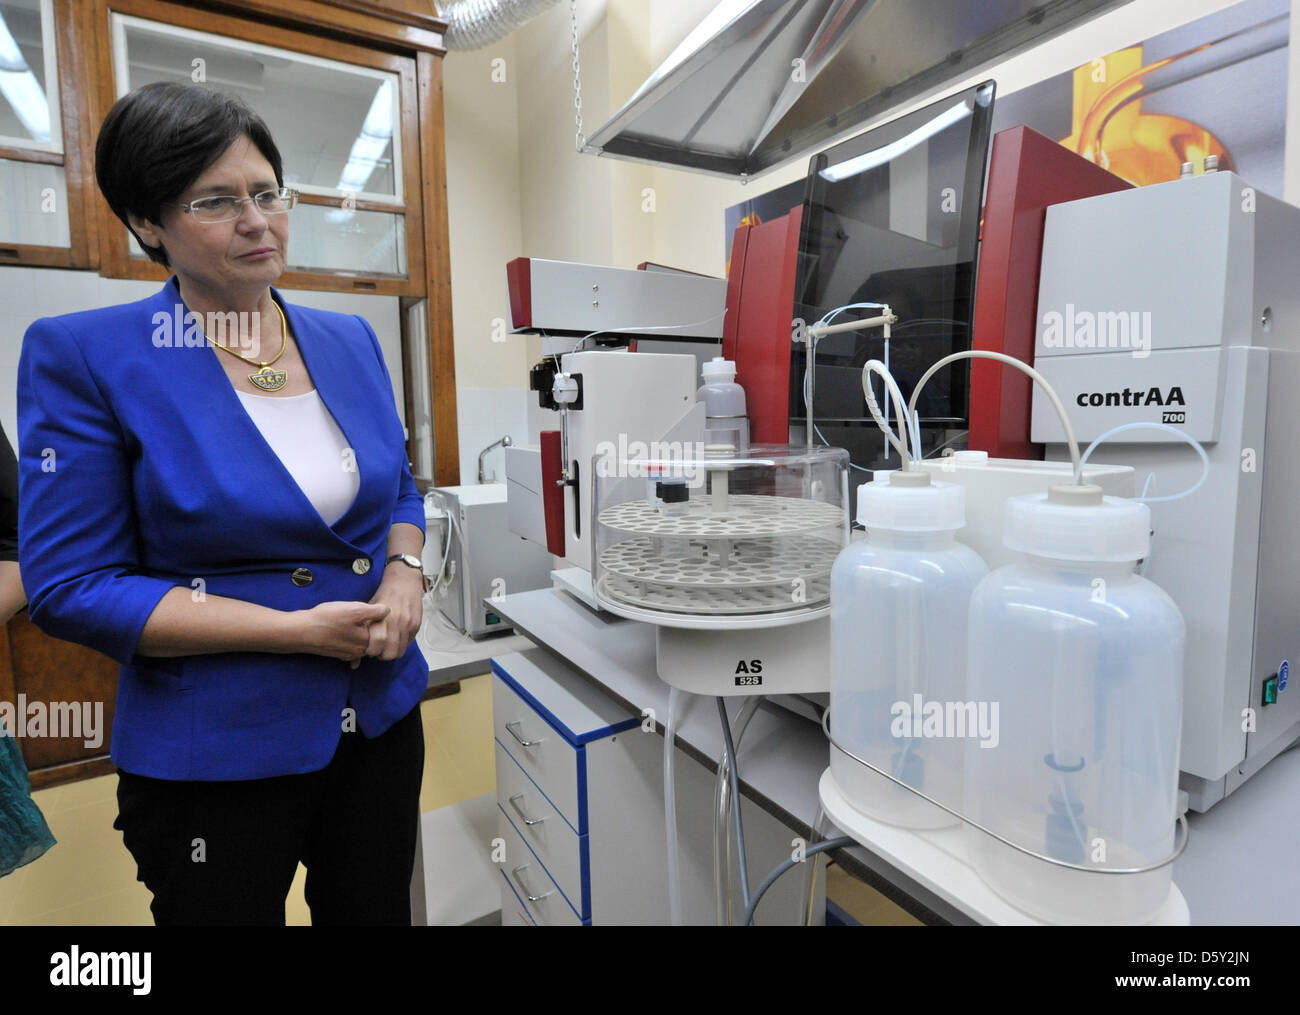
x=714, y=536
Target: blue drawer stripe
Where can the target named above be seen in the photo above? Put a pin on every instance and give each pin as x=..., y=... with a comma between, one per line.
x=575, y=739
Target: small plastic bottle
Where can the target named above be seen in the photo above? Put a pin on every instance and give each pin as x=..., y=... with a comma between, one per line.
x=899, y=601
x=724, y=404
x=1085, y=660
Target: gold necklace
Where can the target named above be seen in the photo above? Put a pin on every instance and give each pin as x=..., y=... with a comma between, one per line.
x=265, y=378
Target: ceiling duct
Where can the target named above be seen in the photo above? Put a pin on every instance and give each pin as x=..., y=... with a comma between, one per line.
x=473, y=24
x=761, y=81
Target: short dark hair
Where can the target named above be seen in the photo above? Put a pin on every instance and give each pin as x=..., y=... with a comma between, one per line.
x=158, y=139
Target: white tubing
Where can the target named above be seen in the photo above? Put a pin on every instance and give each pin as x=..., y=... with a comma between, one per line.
x=874, y=366
x=1024, y=368
x=670, y=813
x=1205, y=459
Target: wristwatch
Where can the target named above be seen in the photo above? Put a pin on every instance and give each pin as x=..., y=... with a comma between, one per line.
x=410, y=560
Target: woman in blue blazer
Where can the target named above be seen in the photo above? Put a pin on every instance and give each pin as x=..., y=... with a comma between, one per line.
x=179, y=512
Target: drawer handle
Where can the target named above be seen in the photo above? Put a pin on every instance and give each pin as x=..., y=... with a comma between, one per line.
x=510, y=726
x=520, y=811
x=528, y=892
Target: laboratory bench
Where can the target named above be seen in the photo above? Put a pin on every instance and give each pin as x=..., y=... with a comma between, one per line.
x=1236, y=868
x=463, y=657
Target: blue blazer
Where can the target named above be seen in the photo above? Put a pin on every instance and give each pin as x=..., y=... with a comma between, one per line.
x=140, y=471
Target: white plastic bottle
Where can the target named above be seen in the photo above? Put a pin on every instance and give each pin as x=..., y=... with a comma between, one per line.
x=724, y=404
x=1085, y=660
x=899, y=602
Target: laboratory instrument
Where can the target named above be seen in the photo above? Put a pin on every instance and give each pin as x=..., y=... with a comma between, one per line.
x=484, y=560
x=1177, y=303
x=732, y=565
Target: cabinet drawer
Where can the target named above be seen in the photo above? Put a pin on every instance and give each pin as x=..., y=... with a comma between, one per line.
x=532, y=885
x=514, y=911
x=554, y=841
x=550, y=760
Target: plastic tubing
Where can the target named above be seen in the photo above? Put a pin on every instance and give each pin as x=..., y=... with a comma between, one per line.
x=741, y=861
x=874, y=366
x=1205, y=459
x=808, y=889
x=821, y=847
x=670, y=813
x=1024, y=368
x=722, y=825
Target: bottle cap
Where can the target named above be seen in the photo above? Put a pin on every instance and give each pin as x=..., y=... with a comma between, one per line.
x=895, y=502
x=672, y=491
x=718, y=370
x=1078, y=523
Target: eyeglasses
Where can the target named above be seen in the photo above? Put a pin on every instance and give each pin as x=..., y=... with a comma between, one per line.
x=226, y=207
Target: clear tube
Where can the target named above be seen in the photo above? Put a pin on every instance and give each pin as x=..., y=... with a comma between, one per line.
x=1205, y=459
x=670, y=813
x=808, y=890
x=723, y=913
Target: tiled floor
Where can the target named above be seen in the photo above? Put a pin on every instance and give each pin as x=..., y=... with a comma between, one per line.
x=88, y=878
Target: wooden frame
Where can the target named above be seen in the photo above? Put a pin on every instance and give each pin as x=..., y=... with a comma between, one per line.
x=115, y=251
x=366, y=21
x=404, y=307
x=437, y=244
x=70, y=45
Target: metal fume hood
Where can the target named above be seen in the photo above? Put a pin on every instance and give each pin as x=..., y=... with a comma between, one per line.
x=729, y=99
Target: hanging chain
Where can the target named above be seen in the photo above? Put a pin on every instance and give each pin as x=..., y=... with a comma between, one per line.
x=577, y=77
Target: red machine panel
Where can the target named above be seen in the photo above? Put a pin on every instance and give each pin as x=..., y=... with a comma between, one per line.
x=1027, y=173
x=757, y=329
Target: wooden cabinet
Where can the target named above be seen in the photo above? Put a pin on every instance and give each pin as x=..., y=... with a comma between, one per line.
x=46, y=677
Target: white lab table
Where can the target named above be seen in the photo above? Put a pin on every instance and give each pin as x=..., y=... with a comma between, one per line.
x=462, y=657
x=1236, y=868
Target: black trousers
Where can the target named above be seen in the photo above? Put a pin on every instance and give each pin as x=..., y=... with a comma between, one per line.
x=225, y=853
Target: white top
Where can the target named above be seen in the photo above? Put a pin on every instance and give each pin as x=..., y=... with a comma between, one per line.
x=301, y=431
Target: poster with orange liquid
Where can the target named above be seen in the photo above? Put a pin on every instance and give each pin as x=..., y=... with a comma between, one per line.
x=1215, y=86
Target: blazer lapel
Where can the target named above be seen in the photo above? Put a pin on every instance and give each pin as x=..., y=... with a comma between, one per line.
x=210, y=396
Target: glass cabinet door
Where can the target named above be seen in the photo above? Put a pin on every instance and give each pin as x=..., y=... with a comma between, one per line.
x=33, y=181
x=337, y=126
